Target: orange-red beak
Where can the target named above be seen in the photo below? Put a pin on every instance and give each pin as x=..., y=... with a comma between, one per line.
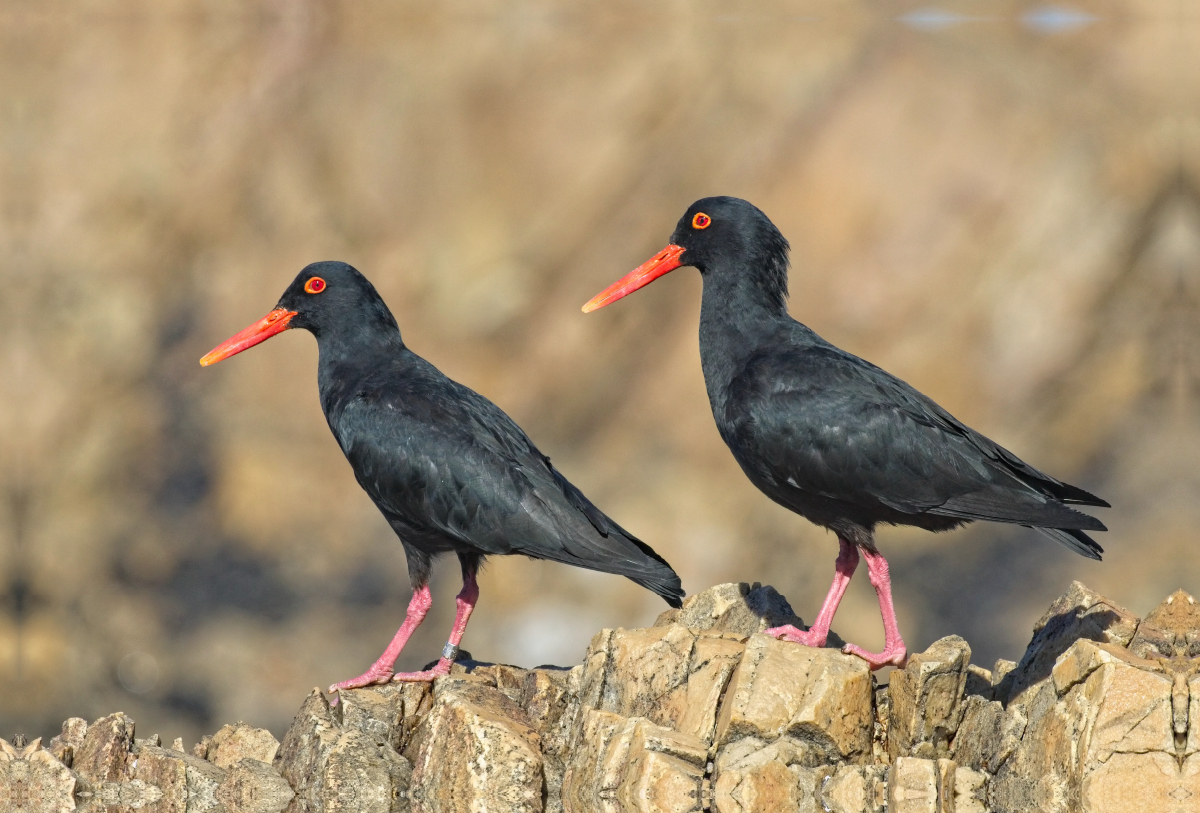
x=662, y=262
x=274, y=322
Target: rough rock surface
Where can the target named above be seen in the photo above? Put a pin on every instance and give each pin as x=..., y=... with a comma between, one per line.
x=700, y=712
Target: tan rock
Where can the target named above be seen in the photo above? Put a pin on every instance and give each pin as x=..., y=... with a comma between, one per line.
x=821, y=697
x=386, y=714
x=332, y=769
x=1099, y=702
x=883, y=715
x=671, y=675
x=64, y=745
x=750, y=777
x=1039, y=773
x=550, y=699
x=1100, y=727
x=545, y=697
x=1142, y=781
x=593, y=775
x=1078, y=613
x=1133, y=713
x=303, y=751
x=918, y=785
x=188, y=784
x=200, y=749
x=32, y=780
x=104, y=754
x=855, y=789
x=252, y=786
x=926, y=698
x=970, y=791
x=359, y=775
x=1171, y=630
x=1077, y=664
x=987, y=734
x=233, y=743
x=979, y=682
x=135, y=794
x=1002, y=679
x=742, y=609
x=1192, y=739
x=476, y=751
x=629, y=764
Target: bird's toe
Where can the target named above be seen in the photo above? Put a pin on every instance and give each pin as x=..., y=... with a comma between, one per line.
x=369, y=678
x=890, y=656
x=440, y=670
x=798, y=636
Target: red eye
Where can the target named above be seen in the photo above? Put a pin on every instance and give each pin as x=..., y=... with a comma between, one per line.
x=701, y=221
x=315, y=285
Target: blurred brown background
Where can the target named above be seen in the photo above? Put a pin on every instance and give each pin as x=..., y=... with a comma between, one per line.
x=997, y=201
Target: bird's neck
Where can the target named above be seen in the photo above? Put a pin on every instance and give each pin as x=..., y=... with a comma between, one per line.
x=736, y=317
x=346, y=355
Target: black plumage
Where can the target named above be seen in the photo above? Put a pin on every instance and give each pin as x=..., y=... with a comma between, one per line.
x=825, y=433
x=449, y=470
x=845, y=444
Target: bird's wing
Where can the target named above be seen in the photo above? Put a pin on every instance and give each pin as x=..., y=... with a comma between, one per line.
x=829, y=423
x=448, y=461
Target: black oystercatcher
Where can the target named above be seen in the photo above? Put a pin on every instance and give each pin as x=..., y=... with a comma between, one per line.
x=448, y=469
x=830, y=436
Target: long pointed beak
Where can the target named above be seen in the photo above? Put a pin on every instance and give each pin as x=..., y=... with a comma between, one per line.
x=662, y=262
x=274, y=322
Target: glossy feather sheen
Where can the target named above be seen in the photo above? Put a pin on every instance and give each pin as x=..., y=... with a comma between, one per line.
x=449, y=470
x=831, y=436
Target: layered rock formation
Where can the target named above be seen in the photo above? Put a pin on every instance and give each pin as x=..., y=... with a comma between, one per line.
x=698, y=713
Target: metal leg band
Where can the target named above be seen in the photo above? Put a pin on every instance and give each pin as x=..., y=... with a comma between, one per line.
x=449, y=652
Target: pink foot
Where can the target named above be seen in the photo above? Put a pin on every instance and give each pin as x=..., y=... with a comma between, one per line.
x=381, y=670
x=893, y=652
x=817, y=634
x=441, y=670
x=812, y=637
x=375, y=675
x=894, y=655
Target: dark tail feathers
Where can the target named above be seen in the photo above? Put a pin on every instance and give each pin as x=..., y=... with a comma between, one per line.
x=668, y=587
x=1076, y=540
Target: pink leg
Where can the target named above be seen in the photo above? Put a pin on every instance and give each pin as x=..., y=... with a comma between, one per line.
x=816, y=634
x=381, y=670
x=466, y=603
x=893, y=645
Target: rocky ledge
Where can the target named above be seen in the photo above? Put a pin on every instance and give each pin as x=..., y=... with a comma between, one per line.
x=697, y=713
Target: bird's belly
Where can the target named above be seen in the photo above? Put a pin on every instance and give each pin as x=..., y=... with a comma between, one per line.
x=427, y=540
x=854, y=519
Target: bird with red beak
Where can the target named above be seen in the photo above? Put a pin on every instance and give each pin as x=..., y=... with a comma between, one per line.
x=831, y=436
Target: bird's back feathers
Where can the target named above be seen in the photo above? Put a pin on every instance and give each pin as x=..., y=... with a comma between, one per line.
x=453, y=469
x=803, y=415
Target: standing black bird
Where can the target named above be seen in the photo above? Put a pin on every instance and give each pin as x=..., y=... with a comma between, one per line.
x=830, y=436
x=448, y=469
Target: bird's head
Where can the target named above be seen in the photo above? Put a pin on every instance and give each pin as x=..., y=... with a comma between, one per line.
x=325, y=298
x=720, y=236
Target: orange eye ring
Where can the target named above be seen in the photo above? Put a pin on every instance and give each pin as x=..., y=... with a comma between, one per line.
x=315, y=285
x=701, y=221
